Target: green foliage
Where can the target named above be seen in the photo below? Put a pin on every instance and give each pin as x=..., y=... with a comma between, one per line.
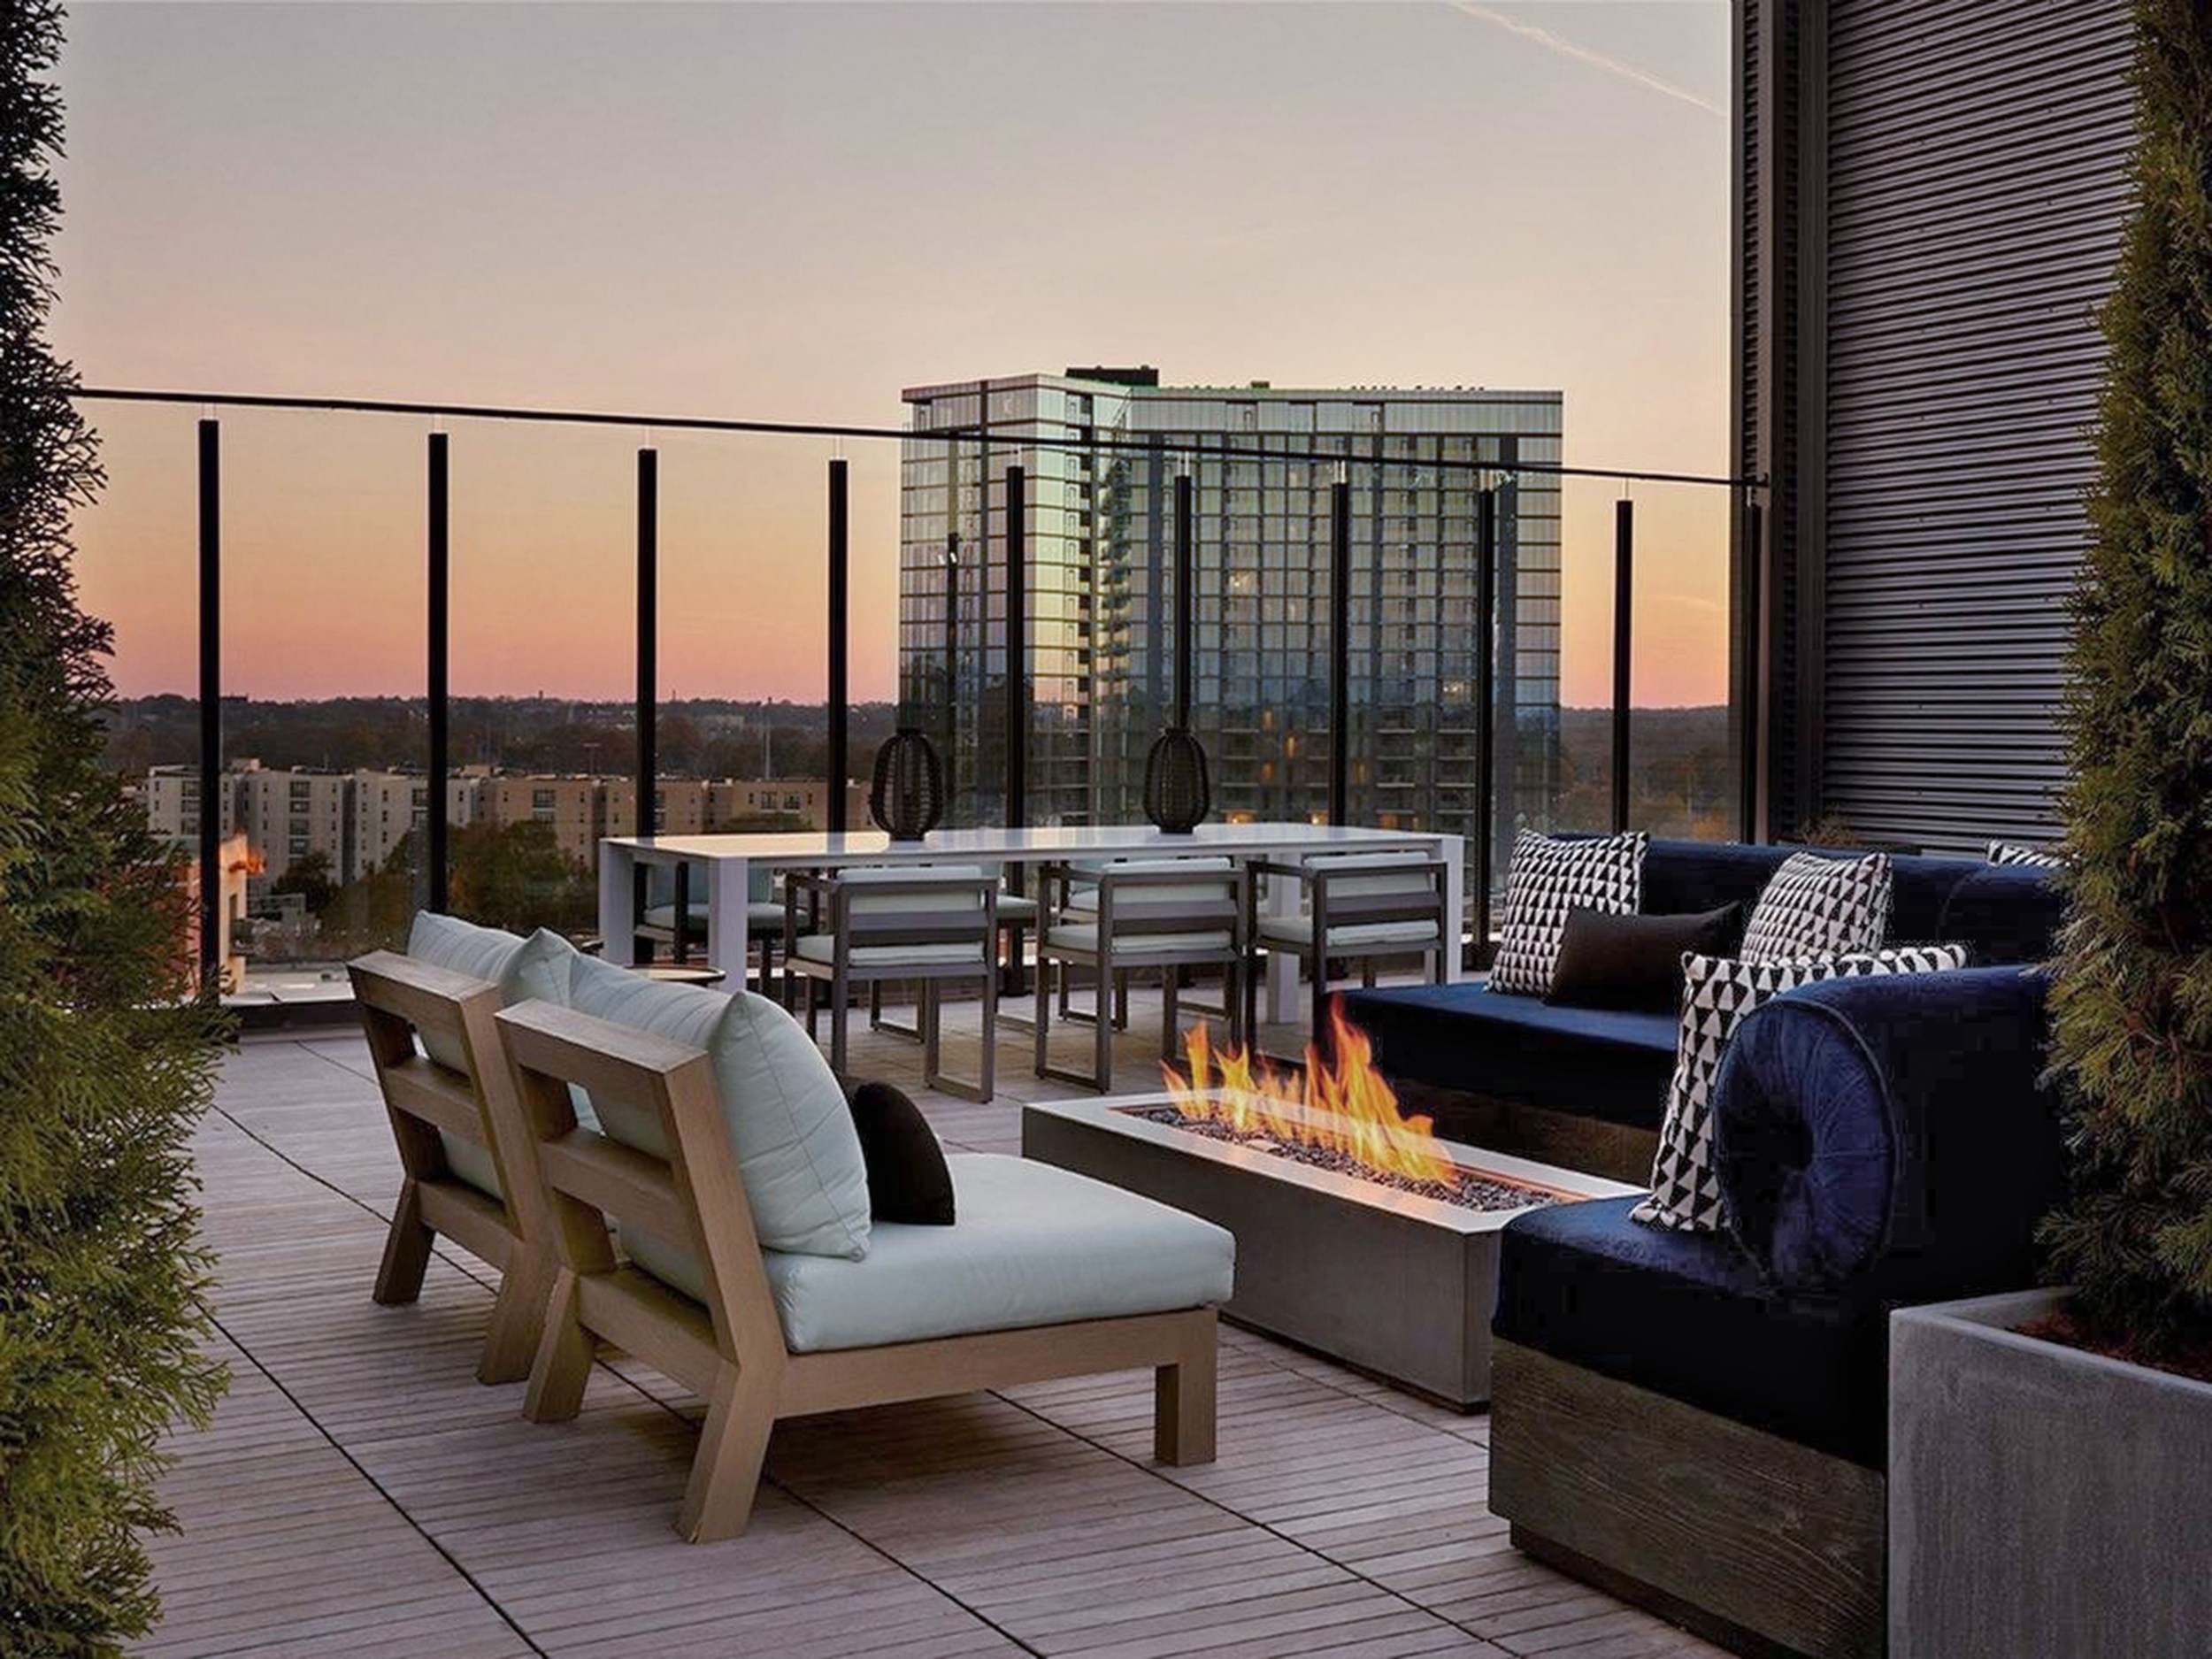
x=2133, y=998
x=308, y=876
x=516, y=876
x=105, y=1063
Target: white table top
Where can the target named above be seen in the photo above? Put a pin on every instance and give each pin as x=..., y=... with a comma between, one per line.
x=821, y=848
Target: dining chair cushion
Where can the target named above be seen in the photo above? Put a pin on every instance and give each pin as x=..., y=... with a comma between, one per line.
x=788, y=1124
x=822, y=948
x=762, y=915
x=1034, y=1245
x=1377, y=874
x=894, y=903
x=536, y=969
x=1083, y=936
x=1298, y=931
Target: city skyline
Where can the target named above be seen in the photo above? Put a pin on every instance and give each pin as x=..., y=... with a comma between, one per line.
x=808, y=208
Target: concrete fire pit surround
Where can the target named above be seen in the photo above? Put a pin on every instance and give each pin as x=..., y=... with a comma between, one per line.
x=1395, y=1284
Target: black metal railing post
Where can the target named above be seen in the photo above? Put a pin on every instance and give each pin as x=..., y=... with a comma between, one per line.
x=1017, y=647
x=1485, y=711
x=648, y=602
x=1624, y=621
x=211, y=597
x=439, y=587
x=1748, y=746
x=840, y=644
x=1186, y=594
x=1339, y=651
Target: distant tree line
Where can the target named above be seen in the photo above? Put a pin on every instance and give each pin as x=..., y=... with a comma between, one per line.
x=703, y=738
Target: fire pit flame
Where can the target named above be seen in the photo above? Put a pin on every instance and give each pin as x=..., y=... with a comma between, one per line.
x=1346, y=1107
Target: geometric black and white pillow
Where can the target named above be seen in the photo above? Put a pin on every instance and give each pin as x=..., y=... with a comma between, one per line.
x=2013, y=853
x=1820, y=907
x=1718, y=992
x=1547, y=879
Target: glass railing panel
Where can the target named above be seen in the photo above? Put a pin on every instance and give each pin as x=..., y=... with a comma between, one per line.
x=543, y=666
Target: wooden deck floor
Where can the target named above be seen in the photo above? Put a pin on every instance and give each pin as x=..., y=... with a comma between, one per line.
x=360, y=1495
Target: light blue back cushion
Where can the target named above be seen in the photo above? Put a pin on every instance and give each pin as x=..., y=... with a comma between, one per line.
x=536, y=969
x=797, y=1151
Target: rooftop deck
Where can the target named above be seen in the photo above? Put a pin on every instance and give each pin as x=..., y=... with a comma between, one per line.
x=360, y=1493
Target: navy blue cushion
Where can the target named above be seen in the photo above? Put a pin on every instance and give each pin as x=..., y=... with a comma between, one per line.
x=1687, y=1315
x=1684, y=876
x=1891, y=1134
x=2006, y=913
x=1920, y=887
x=1610, y=1063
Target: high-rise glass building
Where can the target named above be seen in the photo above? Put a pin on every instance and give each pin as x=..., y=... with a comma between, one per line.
x=1101, y=450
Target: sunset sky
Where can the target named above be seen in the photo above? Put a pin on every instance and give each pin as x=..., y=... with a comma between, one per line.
x=789, y=212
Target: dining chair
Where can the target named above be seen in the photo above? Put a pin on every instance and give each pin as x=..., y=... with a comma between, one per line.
x=926, y=924
x=1360, y=907
x=1163, y=914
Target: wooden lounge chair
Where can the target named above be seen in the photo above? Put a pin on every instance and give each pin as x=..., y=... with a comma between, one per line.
x=455, y=1182
x=755, y=1360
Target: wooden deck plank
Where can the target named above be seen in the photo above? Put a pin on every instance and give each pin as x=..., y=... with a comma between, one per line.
x=359, y=1493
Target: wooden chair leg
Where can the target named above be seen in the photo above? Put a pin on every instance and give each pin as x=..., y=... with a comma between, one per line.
x=1367, y=973
x=517, y=1317
x=564, y=1362
x=1168, y=1033
x=1183, y=1402
x=813, y=1026
x=840, y=997
x=1252, y=974
x=1121, y=1001
x=406, y=1250
x=928, y=1015
x=726, y=1473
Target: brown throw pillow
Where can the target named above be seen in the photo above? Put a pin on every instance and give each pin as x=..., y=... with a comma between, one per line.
x=1635, y=961
x=907, y=1178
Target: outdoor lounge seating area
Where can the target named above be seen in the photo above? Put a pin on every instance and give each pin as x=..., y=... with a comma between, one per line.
x=682, y=977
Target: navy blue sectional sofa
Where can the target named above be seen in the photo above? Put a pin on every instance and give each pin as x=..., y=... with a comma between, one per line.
x=1586, y=1088
x=1696, y=1421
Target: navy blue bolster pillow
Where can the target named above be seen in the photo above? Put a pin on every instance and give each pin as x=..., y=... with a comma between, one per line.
x=1891, y=1134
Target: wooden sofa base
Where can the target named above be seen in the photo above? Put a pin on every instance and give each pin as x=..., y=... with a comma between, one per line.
x=1590, y=1145
x=1771, y=1549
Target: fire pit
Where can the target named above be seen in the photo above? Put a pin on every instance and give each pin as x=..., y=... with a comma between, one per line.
x=1360, y=1233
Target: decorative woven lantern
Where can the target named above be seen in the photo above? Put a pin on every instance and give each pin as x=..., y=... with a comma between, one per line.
x=907, y=796
x=1177, y=793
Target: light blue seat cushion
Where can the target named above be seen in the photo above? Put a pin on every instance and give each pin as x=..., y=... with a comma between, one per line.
x=1034, y=1245
x=536, y=969
x=788, y=1124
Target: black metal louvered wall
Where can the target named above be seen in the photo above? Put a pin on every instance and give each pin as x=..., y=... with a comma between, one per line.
x=1960, y=201
x=1976, y=193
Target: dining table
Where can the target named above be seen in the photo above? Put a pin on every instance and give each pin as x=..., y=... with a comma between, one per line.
x=730, y=859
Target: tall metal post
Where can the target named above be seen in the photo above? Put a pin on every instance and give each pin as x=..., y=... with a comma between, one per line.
x=211, y=703
x=1624, y=587
x=1485, y=710
x=1186, y=594
x=1017, y=647
x=440, y=597
x=1748, y=746
x=648, y=602
x=839, y=645
x=1339, y=651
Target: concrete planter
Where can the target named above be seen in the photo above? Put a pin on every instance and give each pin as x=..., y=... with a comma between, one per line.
x=2042, y=1500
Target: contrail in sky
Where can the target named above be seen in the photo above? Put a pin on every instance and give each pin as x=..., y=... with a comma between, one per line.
x=1598, y=60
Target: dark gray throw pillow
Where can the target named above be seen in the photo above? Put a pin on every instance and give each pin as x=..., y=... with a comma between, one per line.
x=1635, y=961
x=907, y=1178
